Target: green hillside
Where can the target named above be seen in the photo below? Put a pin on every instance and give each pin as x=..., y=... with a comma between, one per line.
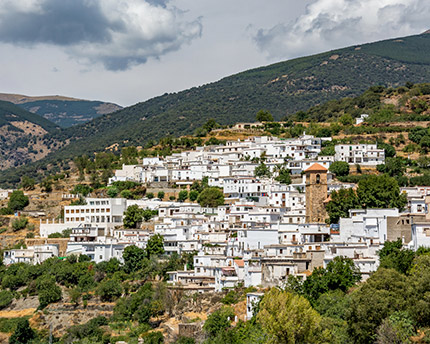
x=12, y=113
x=282, y=88
x=66, y=113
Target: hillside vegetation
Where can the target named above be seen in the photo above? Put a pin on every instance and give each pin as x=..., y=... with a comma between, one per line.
x=282, y=88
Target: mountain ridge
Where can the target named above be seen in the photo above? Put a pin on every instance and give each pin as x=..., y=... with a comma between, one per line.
x=61, y=110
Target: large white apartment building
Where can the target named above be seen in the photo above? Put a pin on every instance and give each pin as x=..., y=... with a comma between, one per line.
x=362, y=154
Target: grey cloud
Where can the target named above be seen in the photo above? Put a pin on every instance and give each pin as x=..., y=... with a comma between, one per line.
x=117, y=33
x=328, y=25
x=62, y=22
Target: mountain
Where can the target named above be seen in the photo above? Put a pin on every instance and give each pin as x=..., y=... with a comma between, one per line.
x=282, y=88
x=23, y=136
x=64, y=111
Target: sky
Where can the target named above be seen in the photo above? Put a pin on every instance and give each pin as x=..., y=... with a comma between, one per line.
x=127, y=51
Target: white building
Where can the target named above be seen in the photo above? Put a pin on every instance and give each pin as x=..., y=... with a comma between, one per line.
x=362, y=154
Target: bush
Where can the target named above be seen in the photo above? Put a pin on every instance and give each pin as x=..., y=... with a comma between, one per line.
x=19, y=223
x=47, y=290
x=211, y=197
x=109, y=290
x=6, y=298
x=18, y=201
x=339, y=168
x=160, y=194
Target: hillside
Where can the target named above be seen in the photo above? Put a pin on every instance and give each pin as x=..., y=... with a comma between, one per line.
x=63, y=111
x=24, y=136
x=282, y=88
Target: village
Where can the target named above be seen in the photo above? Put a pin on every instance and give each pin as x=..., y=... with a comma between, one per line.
x=264, y=232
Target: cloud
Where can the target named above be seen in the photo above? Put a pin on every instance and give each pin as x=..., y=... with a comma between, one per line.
x=329, y=24
x=118, y=33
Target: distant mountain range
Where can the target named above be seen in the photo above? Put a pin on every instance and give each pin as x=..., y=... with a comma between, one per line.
x=282, y=88
x=63, y=111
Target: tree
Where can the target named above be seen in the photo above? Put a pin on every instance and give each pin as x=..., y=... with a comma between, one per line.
x=211, y=197
x=150, y=195
x=27, y=183
x=155, y=245
x=389, y=150
x=46, y=185
x=396, y=329
x=6, y=298
x=17, y=200
x=112, y=191
x=193, y=195
x=264, y=116
x=47, y=290
x=19, y=223
x=133, y=257
x=339, y=168
x=340, y=274
x=346, y=119
x=160, y=195
x=288, y=318
x=109, y=290
x=23, y=333
x=340, y=203
x=384, y=293
x=82, y=189
x=394, y=256
x=380, y=192
x=262, y=171
x=218, y=321
x=132, y=216
x=284, y=176
x=183, y=195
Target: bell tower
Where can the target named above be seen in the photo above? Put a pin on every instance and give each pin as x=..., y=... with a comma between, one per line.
x=316, y=193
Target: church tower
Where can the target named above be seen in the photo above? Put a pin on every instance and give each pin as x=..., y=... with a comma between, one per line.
x=316, y=193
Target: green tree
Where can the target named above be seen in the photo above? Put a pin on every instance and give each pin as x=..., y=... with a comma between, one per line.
x=389, y=150
x=288, y=318
x=346, y=119
x=109, y=290
x=340, y=203
x=150, y=195
x=264, y=116
x=132, y=216
x=17, y=200
x=47, y=290
x=27, y=183
x=211, y=197
x=82, y=189
x=262, y=171
x=6, y=298
x=46, y=185
x=161, y=195
x=23, y=333
x=380, y=192
x=284, y=176
x=193, y=195
x=384, y=293
x=155, y=245
x=19, y=223
x=339, y=168
x=112, y=191
x=183, y=195
x=218, y=321
x=396, y=329
x=133, y=257
x=394, y=256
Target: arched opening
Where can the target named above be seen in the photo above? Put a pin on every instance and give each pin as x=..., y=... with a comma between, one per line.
x=318, y=179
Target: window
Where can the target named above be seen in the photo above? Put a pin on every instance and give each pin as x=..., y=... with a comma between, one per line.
x=318, y=179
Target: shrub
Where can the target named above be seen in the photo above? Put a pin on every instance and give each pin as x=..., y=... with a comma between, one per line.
x=19, y=223
x=18, y=201
x=6, y=298
x=109, y=290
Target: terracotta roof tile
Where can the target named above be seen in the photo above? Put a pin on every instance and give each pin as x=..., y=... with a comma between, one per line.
x=316, y=168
